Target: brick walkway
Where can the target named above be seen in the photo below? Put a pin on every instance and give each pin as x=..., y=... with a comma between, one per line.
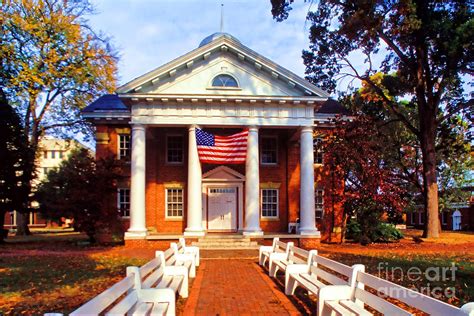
x=235, y=287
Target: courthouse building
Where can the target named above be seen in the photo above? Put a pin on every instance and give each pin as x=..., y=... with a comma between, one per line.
x=222, y=88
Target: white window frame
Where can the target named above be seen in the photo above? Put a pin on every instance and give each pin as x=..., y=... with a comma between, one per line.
x=412, y=218
x=119, y=202
x=277, y=203
x=166, y=203
x=420, y=218
x=182, y=149
x=317, y=142
x=322, y=204
x=53, y=154
x=119, y=147
x=275, y=137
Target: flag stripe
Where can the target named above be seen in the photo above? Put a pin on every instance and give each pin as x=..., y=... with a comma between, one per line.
x=221, y=149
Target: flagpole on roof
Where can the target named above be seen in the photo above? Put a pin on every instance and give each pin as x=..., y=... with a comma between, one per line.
x=222, y=17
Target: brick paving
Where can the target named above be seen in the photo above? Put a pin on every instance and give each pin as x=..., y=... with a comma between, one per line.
x=235, y=286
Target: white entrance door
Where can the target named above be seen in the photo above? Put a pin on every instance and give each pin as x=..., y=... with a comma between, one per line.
x=222, y=206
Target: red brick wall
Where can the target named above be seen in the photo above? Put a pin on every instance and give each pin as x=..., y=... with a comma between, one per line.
x=286, y=172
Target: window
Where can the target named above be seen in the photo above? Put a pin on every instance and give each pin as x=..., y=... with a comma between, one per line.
x=45, y=154
x=269, y=150
x=124, y=146
x=174, y=149
x=61, y=154
x=269, y=202
x=123, y=202
x=319, y=203
x=412, y=218
x=174, y=202
x=443, y=218
x=225, y=81
x=421, y=217
x=318, y=150
x=53, y=154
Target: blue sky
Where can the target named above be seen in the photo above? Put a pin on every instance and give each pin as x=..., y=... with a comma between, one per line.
x=150, y=33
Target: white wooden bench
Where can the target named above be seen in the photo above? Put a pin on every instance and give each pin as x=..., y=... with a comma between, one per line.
x=154, y=274
x=294, y=256
x=350, y=299
x=127, y=297
x=174, y=258
x=317, y=273
x=182, y=248
x=279, y=250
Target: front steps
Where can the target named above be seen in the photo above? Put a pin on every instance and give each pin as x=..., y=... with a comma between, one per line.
x=225, y=242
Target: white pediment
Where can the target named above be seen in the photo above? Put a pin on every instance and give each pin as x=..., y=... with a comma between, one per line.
x=198, y=80
x=222, y=173
x=192, y=74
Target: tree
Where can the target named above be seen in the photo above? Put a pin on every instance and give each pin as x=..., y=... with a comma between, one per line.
x=371, y=187
x=77, y=190
x=12, y=155
x=428, y=44
x=52, y=65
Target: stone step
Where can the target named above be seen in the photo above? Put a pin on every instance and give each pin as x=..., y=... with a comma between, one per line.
x=228, y=241
x=228, y=248
x=242, y=243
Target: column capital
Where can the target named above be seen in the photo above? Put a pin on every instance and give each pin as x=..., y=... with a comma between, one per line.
x=306, y=129
x=138, y=127
x=192, y=127
x=252, y=128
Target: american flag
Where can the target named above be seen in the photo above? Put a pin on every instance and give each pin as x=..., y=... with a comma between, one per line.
x=221, y=149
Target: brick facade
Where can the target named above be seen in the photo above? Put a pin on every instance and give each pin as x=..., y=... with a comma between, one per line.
x=284, y=175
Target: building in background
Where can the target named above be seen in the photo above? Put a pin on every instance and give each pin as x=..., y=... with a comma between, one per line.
x=53, y=152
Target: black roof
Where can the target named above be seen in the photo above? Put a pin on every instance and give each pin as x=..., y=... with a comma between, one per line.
x=107, y=102
x=331, y=106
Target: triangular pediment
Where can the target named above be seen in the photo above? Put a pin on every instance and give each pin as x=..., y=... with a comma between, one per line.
x=223, y=173
x=193, y=74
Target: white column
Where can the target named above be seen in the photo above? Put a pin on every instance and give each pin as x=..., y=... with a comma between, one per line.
x=252, y=185
x=194, y=215
x=137, y=187
x=307, y=214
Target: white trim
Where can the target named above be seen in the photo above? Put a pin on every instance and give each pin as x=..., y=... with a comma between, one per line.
x=118, y=201
x=167, y=217
x=277, y=204
x=119, y=148
x=262, y=137
x=182, y=148
x=315, y=209
x=211, y=87
x=420, y=217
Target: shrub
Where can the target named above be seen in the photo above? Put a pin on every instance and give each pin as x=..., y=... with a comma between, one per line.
x=382, y=232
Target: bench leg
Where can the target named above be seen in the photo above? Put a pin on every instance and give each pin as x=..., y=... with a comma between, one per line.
x=273, y=269
x=192, y=273
x=290, y=285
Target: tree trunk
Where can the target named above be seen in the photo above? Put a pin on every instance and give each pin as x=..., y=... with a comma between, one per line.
x=428, y=136
x=22, y=224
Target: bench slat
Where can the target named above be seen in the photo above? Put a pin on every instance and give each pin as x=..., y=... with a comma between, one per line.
x=106, y=298
x=412, y=298
x=379, y=303
x=357, y=309
x=124, y=305
x=334, y=265
x=148, y=267
x=328, y=277
x=310, y=283
x=340, y=311
x=142, y=309
x=159, y=309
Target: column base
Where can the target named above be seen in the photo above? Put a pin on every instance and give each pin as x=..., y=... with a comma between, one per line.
x=310, y=232
x=194, y=232
x=252, y=232
x=136, y=234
